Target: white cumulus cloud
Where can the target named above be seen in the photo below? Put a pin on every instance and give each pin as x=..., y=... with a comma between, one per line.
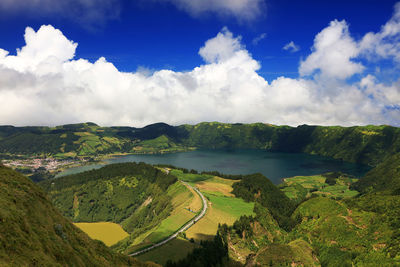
x=44, y=84
x=333, y=53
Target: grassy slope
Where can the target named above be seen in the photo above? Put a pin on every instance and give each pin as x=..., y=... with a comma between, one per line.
x=33, y=232
x=386, y=176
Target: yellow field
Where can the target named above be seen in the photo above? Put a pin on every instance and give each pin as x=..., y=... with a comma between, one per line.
x=109, y=233
x=217, y=184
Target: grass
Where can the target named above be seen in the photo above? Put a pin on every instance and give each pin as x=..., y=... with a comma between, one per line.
x=190, y=177
x=109, y=233
x=235, y=207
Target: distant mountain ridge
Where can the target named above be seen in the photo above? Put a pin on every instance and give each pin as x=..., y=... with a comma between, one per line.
x=360, y=144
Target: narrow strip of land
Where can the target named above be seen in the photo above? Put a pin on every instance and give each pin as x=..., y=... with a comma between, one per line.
x=183, y=228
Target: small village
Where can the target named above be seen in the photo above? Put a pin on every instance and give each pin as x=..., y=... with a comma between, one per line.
x=49, y=164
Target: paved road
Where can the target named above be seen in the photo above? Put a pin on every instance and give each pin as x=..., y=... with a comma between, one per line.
x=184, y=228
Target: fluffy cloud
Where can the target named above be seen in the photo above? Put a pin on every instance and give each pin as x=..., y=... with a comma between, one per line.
x=44, y=84
x=33, y=58
x=332, y=53
x=88, y=13
x=386, y=43
x=246, y=10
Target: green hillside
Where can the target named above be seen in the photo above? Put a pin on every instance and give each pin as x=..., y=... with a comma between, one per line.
x=385, y=177
x=34, y=233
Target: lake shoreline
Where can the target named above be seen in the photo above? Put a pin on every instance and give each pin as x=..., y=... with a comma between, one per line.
x=274, y=165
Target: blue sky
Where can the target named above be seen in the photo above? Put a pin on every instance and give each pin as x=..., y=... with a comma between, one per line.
x=158, y=35
x=149, y=37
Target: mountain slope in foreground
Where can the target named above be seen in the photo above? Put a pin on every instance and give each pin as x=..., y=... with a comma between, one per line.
x=33, y=232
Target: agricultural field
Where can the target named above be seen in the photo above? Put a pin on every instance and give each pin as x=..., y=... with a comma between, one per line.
x=217, y=185
x=300, y=187
x=108, y=232
x=223, y=207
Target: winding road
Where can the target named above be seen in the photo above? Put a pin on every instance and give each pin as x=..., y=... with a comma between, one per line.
x=184, y=228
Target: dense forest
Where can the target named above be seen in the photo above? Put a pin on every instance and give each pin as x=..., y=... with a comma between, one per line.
x=362, y=144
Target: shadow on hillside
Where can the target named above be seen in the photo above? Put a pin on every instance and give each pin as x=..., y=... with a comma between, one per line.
x=174, y=250
x=202, y=237
x=178, y=249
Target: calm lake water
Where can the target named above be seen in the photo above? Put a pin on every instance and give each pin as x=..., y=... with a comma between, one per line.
x=273, y=165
